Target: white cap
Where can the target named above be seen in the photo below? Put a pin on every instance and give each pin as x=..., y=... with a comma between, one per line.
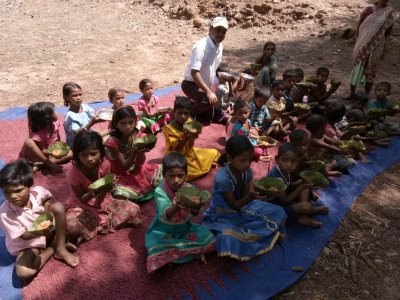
x=219, y=21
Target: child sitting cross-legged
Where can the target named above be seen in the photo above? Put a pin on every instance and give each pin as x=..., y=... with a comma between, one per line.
x=149, y=103
x=319, y=94
x=94, y=211
x=23, y=204
x=296, y=199
x=322, y=146
x=225, y=95
x=244, y=225
x=135, y=178
x=276, y=105
x=172, y=237
x=260, y=118
x=177, y=139
x=240, y=125
x=44, y=130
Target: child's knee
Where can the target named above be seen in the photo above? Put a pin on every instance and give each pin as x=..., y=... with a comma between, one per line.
x=25, y=273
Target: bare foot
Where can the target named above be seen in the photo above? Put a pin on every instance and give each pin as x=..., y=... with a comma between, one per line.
x=308, y=221
x=321, y=210
x=333, y=173
x=67, y=257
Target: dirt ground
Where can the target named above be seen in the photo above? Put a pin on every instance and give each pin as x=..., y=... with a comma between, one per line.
x=104, y=43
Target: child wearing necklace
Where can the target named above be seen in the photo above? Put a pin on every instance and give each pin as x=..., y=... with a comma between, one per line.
x=135, y=178
x=245, y=226
x=295, y=201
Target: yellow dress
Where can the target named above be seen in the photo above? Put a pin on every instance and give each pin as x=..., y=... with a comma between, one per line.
x=199, y=160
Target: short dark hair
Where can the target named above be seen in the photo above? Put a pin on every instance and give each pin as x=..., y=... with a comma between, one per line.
x=355, y=115
x=297, y=136
x=298, y=72
x=174, y=160
x=40, y=115
x=238, y=144
x=240, y=104
x=384, y=84
x=223, y=68
x=143, y=83
x=335, y=112
x=276, y=83
x=322, y=70
x=315, y=123
x=288, y=147
x=289, y=73
x=15, y=173
x=261, y=91
x=85, y=140
x=182, y=102
x=67, y=90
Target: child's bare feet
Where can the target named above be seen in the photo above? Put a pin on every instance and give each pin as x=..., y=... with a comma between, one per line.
x=321, y=210
x=308, y=221
x=67, y=257
x=333, y=173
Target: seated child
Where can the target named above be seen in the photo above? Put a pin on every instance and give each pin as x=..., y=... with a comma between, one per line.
x=299, y=75
x=92, y=212
x=23, y=204
x=322, y=146
x=300, y=138
x=135, y=178
x=80, y=116
x=224, y=93
x=357, y=115
x=148, y=104
x=299, y=93
x=382, y=91
x=117, y=98
x=244, y=225
x=172, y=237
x=295, y=200
x=44, y=130
x=177, y=139
x=288, y=82
x=240, y=125
x=276, y=106
x=334, y=114
x=268, y=64
x=318, y=92
x=245, y=86
x=260, y=118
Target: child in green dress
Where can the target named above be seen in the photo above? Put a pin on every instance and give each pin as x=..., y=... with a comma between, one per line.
x=172, y=237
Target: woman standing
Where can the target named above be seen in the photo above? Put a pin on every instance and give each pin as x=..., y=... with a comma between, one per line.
x=373, y=31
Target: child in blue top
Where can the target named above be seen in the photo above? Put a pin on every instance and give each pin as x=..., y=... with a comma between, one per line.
x=244, y=226
x=382, y=91
x=80, y=116
x=295, y=200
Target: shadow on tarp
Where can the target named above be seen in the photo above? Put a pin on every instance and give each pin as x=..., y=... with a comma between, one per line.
x=271, y=274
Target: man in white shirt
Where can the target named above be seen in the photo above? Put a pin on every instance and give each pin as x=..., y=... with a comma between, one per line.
x=201, y=71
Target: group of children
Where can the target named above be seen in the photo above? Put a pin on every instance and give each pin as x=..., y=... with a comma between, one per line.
x=239, y=222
